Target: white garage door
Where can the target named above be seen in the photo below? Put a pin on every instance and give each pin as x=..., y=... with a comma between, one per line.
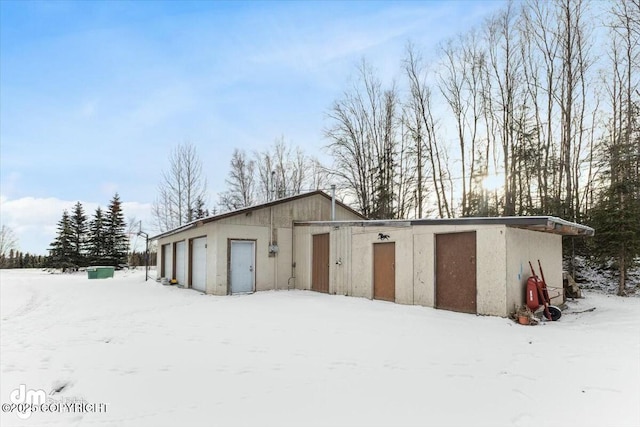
x=181, y=263
x=199, y=264
x=167, y=262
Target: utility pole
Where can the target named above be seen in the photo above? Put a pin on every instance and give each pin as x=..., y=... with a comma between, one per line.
x=146, y=252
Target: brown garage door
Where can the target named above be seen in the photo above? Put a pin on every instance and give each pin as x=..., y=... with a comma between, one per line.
x=456, y=272
x=384, y=271
x=320, y=263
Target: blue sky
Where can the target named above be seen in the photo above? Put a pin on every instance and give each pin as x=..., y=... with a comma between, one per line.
x=94, y=95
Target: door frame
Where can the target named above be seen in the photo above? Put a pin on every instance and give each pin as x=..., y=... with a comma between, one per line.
x=189, y=271
x=175, y=261
x=373, y=270
x=328, y=253
x=163, y=267
x=255, y=266
x=435, y=267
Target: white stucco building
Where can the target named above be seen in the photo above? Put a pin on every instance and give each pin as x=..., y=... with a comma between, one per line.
x=473, y=265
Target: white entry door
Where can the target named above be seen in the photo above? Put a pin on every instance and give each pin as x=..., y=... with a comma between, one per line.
x=181, y=263
x=242, y=275
x=199, y=264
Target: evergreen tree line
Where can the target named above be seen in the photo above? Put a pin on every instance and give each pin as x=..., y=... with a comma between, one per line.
x=17, y=259
x=81, y=242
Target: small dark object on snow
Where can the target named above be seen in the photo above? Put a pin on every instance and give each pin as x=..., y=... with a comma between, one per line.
x=583, y=311
x=59, y=388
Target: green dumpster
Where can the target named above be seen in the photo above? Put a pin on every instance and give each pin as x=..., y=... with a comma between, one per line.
x=100, y=272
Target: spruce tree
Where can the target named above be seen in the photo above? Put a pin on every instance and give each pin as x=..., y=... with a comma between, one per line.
x=116, y=240
x=61, y=252
x=12, y=259
x=97, y=238
x=79, y=228
x=199, y=211
x=616, y=220
x=616, y=213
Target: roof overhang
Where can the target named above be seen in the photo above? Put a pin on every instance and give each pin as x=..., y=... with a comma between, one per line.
x=545, y=224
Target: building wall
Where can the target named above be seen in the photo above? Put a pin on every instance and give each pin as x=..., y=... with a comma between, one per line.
x=491, y=250
x=186, y=236
x=424, y=269
x=272, y=272
x=363, y=239
x=502, y=254
x=340, y=261
x=500, y=251
x=524, y=246
x=226, y=232
x=303, y=252
x=490, y=272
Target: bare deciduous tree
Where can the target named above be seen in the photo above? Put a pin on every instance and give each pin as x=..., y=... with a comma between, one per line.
x=8, y=241
x=572, y=49
x=505, y=65
x=540, y=58
x=283, y=171
x=460, y=83
x=182, y=187
x=452, y=81
x=240, y=183
x=318, y=174
x=363, y=143
x=280, y=171
x=422, y=127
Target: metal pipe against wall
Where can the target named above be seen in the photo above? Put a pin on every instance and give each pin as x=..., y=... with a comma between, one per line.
x=293, y=259
x=333, y=202
x=275, y=255
x=146, y=252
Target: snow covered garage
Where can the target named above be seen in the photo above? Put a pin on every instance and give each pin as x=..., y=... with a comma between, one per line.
x=472, y=265
x=245, y=250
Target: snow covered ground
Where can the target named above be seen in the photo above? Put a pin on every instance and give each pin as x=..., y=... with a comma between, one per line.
x=163, y=356
x=592, y=276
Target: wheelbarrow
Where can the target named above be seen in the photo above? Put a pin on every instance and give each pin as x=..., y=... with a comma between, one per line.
x=538, y=295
